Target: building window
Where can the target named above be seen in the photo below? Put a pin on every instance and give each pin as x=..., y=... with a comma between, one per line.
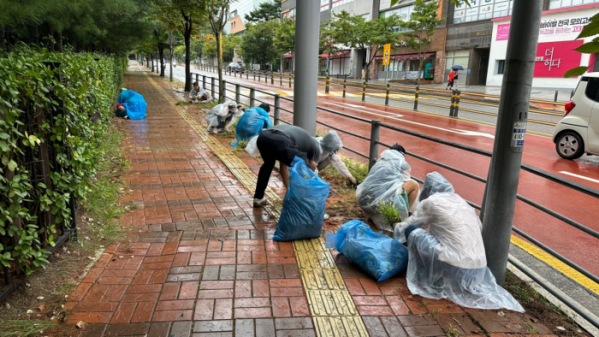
x=555, y=4
x=500, y=67
x=482, y=10
x=457, y=58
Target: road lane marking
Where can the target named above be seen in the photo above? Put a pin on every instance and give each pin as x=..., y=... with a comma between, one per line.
x=579, y=176
x=556, y=264
x=393, y=116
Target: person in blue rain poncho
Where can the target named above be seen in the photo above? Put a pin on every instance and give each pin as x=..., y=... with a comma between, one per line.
x=252, y=122
x=131, y=105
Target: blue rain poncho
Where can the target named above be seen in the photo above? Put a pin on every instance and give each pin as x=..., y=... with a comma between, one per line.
x=134, y=103
x=304, y=204
x=252, y=122
x=448, y=261
x=377, y=254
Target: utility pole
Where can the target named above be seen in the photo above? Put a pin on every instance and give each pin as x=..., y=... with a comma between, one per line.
x=306, y=51
x=504, y=172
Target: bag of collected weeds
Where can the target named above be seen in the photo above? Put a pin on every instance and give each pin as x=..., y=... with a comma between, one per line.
x=384, y=185
x=304, y=204
x=377, y=254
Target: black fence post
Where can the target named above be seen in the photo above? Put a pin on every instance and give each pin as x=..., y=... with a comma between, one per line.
x=281, y=79
x=387, y=95
x=223, y=89
x=375, y=134
x=213, y=88
x=272, y=78
x=364, y=92
x=204, y=82
x=277, y=108
x=452, y=106
x=344, y=85
x=254, y=74
x=555, y=97
x=290, y=80
x=197, y=78
x=327, y=84
x=416, y=97
x=252, y=97
x=456, y=108
x=237, y=93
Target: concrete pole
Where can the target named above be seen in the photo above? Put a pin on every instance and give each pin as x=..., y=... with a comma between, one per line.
x=504, y=172
x=306, y=53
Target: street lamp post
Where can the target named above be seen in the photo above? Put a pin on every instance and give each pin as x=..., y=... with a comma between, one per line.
x=306, y=52
x=502, y=182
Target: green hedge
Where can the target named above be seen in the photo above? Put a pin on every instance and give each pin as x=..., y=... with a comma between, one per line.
x=77, y=107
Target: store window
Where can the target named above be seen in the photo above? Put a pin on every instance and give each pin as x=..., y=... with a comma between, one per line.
x=555, y=4
x=457, y=58
x=482, y=10
x=500, y=67
x=403, y=13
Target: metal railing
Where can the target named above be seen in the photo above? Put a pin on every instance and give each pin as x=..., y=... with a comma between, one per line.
x=376, y=127
x=472, y=102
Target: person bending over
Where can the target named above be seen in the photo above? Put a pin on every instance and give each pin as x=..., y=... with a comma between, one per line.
x=283, y=143
x=330, y=144
x=197, y=94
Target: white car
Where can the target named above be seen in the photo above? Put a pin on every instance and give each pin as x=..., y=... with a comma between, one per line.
x=578, y=132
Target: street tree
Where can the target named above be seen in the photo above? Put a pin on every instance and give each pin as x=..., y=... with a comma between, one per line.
x=284, y=38
x=229, y=42
x=592, y=47
x=266, y=11
x=420, y=28
x=356, y=32
x=218, y=15
x=258, y=43
x=327, y=45
x=186, y=16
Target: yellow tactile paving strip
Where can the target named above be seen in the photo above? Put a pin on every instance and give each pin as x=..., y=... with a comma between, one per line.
x=331, y=305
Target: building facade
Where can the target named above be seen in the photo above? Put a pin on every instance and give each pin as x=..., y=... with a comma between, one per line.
x=237, y=12
x=560, y=25
x=404, y=61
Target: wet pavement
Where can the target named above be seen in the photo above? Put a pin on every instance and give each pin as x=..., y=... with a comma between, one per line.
x=201, y=261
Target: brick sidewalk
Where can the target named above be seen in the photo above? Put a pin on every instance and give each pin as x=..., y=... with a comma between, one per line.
x=201, y=260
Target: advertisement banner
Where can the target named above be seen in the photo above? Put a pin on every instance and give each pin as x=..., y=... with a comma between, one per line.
x=553, y=59
x=503, y=32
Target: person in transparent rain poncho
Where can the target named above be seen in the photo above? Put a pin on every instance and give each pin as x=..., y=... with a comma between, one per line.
x=330, y=144
x=199, y=94
x=222, y=116
x=388, y=181
x=448, y=261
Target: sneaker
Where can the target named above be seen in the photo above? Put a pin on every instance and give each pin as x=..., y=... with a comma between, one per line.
x=259, y=202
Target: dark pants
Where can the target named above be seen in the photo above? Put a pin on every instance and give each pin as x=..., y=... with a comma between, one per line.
x=450, y=84
x=273, y=146
x=221, y=124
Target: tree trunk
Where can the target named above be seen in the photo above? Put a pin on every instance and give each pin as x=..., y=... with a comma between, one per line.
x=153, y=63
x=188, y=55
x=33, y=34
x=161, y=55
x=2, y=38
x=221, y=96
x=59, y=43
x=51, y=42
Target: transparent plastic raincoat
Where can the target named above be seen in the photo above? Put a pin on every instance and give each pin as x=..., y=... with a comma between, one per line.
x=449, y=261
x=384, y=183
x=329, y=145
x=220, y=112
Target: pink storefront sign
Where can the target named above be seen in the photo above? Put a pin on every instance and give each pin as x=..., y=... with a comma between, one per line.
x=503, y=32
x=553, y=59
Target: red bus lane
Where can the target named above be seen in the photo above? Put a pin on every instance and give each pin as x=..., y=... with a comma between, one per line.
x=538, y=152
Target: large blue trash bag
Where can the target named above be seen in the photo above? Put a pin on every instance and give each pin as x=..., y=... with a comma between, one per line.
x=251, y=124
x=377, y=254
x=304, y=204
x=134, y=103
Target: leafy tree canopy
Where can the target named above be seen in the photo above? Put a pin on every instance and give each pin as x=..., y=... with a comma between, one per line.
x=258, y=42
x=266, y=11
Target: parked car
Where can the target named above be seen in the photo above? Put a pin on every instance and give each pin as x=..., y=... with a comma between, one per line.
x=578, y=132
x=236, y=67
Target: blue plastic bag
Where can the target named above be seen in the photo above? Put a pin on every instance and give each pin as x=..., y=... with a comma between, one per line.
x=251, y=124
x=134, y=103
x=377, y=254
x=304, y=204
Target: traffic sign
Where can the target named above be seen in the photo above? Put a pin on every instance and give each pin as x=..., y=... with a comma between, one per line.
x=387, y=54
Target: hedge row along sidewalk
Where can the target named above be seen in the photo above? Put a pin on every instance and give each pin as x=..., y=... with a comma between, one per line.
x=202, y=261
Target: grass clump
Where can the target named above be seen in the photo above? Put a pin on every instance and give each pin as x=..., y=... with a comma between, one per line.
x=358, y=170
x=24, y=328
x=389, y=212
x=240, y=146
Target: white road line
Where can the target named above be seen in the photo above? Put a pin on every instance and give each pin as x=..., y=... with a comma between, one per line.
x=579, y=176
x=394, y=116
